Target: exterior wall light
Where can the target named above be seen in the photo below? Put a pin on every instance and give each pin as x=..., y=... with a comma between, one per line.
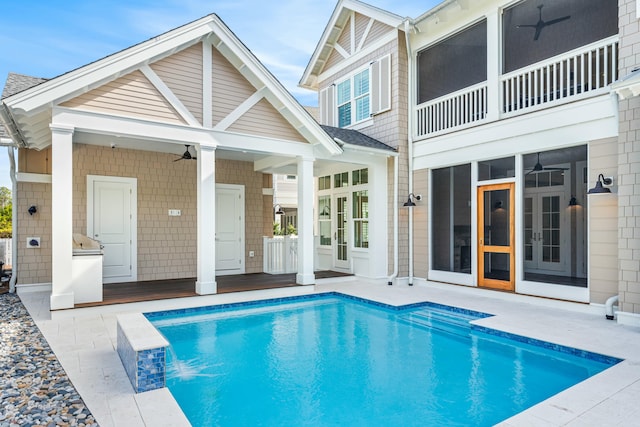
x=278, y=209
x=599, y=189
x=410, y=201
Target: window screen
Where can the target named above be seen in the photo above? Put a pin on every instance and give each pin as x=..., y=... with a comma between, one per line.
x=535, y=30
x=455, y=63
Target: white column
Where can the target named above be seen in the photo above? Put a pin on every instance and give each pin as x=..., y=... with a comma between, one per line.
x=61, y=216
x=305, y=274
x=493, y=66
x=206, y=281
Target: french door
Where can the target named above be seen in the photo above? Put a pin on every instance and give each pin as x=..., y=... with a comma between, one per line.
x=545, y=248
x=496, y=236
x=341, y=231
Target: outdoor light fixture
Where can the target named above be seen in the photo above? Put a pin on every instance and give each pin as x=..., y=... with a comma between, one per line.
x=409, y=203
x=599, y=189
x=278, y=209
x=573, y=201
x=32, y=210
x=497, y=205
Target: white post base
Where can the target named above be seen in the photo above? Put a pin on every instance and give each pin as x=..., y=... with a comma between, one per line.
x=206, y=288
x=61, y=301
x=305, y=279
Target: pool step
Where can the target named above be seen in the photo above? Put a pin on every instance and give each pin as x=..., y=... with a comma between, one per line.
x=455, y=323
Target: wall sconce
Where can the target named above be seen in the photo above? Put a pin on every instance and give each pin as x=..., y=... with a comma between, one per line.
x=278, y=209
x=573, y=201
x=409, y=203
x=32, y=210
x=599, y=189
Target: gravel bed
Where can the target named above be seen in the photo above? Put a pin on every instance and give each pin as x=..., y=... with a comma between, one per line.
x=34, y=389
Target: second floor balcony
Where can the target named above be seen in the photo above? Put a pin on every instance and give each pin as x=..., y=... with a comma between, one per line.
x=575, y=75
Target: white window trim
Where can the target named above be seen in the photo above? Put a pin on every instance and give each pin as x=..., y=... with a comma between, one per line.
x=352, y=98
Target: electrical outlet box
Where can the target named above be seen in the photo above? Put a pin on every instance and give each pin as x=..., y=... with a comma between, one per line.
x=175, y=212
x=252, y=254
x=33, y=242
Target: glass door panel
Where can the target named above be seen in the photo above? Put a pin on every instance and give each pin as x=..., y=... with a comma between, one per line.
x=496, y=219
x=341, y=232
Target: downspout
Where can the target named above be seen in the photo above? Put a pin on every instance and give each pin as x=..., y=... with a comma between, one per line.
x=14, y=222
x=396, y=174
x=407, y=26
x=608, y=307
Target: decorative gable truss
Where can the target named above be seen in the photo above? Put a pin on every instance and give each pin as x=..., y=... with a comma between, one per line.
x=380, y=87
x=175, y=90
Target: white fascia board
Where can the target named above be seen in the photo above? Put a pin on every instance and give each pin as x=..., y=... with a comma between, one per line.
x=588, y=120
x=255, y=143
x=92, y=122
x=359, y=150
x=378, y=14
x=103, y=70
x=272, y=162
x=275, y=87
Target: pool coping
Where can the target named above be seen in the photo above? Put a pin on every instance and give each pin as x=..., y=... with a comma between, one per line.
x=84, y=342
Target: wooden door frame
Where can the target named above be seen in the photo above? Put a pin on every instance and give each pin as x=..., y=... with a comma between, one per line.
x=494, y=283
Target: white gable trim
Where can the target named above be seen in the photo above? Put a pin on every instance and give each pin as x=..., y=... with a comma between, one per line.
x=84, y=79
x=341, y=50
x=388, y=38
x=373, y=12
x=171, y=97
x=207, y=84
x=365, y=34
x=240, y=110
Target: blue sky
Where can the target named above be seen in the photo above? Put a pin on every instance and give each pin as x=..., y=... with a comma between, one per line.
x=42, y=38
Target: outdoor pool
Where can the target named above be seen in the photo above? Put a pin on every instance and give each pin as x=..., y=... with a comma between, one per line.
x=330, y=359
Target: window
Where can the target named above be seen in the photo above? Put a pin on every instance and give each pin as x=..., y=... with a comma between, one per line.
x=569, y=24
x=497, y=169
x=361, y=219
x=451, y=226
x=353, y=99
x=324, y=183
x=341, y=180
x=360, y=176
x=324, y=220
x=452, y=64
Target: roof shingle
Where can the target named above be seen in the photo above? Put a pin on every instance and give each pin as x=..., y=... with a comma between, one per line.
x=353, y=137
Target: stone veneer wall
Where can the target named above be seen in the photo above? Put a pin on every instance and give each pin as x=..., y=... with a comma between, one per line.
x=628, y=176
x=166, y=245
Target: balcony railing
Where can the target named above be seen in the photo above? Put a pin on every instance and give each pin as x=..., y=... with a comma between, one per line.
x=580, y=73
x=280, y=254
x=570, y=75
x=452, y=111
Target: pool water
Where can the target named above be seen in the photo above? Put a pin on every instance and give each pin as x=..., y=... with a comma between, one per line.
x=335, y=361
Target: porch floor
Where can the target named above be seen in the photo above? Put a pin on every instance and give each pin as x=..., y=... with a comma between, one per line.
x=120, y=293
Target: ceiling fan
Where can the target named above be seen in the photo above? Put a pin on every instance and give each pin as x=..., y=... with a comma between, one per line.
x=186, y=155
x=539, y=168
x=540, y=25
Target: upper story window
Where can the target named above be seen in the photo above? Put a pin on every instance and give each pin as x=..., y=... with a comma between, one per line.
x=353, y=99
x=454, y=63
x=534, y=31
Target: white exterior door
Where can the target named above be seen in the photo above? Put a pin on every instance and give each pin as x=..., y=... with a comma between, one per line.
x=341, y=231
x=229, y=229
x=111, y=219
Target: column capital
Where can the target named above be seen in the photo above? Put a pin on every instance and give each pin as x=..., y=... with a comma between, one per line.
x=209, y=148
x=61, y=128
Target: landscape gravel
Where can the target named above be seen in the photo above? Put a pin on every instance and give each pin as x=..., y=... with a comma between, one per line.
x=34, y=388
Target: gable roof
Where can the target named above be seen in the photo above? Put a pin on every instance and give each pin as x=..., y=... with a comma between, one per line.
x=333, y=30
x=32, y=106
x=353, y=137
x=16, y=83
